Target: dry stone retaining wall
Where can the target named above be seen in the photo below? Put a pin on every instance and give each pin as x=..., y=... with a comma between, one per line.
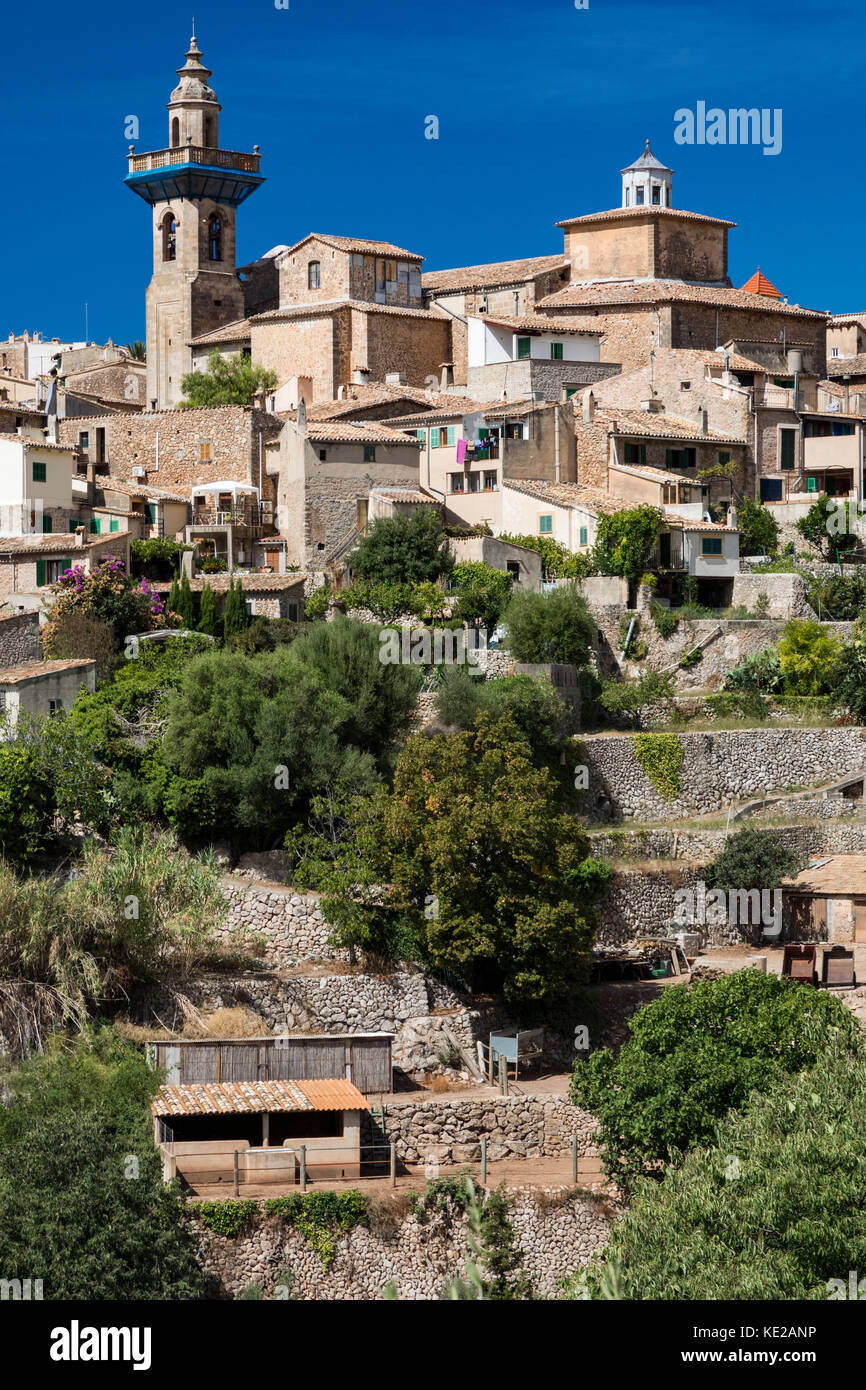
x=523, y=1126
x=718, y=768
x=558, y=1232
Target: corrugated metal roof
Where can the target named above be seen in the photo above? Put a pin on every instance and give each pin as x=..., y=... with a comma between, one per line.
x=253, y=1097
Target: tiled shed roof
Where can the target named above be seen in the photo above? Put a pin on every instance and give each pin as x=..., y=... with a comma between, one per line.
x=600, y=293
x=471, y=277
x=254, y=1097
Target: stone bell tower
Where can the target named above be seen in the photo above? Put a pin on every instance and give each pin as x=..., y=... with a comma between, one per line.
x=194, y=188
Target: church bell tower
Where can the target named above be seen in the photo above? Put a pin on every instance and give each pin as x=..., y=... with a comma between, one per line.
x=194, y=188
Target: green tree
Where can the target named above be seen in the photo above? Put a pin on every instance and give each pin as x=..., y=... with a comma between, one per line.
x=773, y=1201
x=630, y=697
x=808, y=654
x=829, y=525
x=759, y=530
x=403, y=550
x=232, y=380
x=235, y=613
x=557, y=560
x=556, y=627
x=625, y=541
x=539, y=713
x=696, y=1053
x=207, y=613
x=752, y=858
x=482, y=593
x=186, y=603
x=851, y=671
x=107, y=594
x=26, y=803
x=486, y=876
x=137, y=351
x=83, y=1206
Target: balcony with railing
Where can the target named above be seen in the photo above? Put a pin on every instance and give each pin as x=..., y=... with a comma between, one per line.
x=240, y=518
x=195, y=154
x=669, y=553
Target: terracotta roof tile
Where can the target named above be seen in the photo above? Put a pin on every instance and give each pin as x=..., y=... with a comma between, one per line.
x=32, y=670
x=596, y=294
x=470, y=277
x=236, y=332
x=640, y=423
x=847, y=366
x=253, y=1097
x=539, y=323
x=647, y=210
x=332, y=306
x=349, y=243
x=759, y=284
x=591, y=499
x=349, y=432
x=37, y=443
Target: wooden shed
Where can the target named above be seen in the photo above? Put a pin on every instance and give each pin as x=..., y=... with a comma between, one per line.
x=362, y=1058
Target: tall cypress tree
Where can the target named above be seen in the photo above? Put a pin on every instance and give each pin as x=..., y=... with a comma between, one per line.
x=186, y=604
x=173, y=596
x=207, y=614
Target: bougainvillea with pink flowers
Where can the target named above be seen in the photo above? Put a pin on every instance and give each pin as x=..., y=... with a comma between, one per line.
x=110, y=595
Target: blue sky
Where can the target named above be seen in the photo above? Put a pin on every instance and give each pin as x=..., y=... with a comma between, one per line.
x=539, y=106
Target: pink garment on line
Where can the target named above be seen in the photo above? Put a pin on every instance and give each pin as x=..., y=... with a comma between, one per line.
x=461, y=450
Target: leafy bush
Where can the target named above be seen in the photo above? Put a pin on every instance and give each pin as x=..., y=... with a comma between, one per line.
x=26, y=803
x=156, y=558
x=808, y=656
x=665, y=621
x=482, y=593
x=697, y=1052
x=232, y=380
x=773, y=1200
x=759, y=530
x=107, y=594
x=554, y=627
x=761, y=671
x=625, y=540
x=830, y=525
x=752, y=858
x=558, y=562
x=83, y=1205
x=403, y=550
x=321, y=1217
x=539, y=713
x=630, y=697
x=229, y=1218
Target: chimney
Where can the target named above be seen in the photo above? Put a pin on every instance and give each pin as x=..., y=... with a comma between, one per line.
x=732, y=517
x=589, y=406
x=653, y=404
x=446, y=378
x=702, y=420
x=79, y=536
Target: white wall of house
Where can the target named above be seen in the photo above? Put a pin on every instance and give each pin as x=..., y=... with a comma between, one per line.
x=724, y=566
x=488, y=343
x=20, y=493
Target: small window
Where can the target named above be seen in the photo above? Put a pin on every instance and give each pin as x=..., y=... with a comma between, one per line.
x=711, y=545
x=175, y=133
x=323, y=454
x=248, y=607
x=490, y=481
x=205, y=451
x=215, y=239
x=47, y=523
x=724, y=456
x=293, y=612
x=474, y=482
x=150, y=513
x=631, y=452
x=685, y=386
x=787, y=443
x=545, y=525
x=583, y=535
x=38, y=471
x=513, y=568
x=169, y=237
x=455, y=482
x=522, y=348
x=114, y=524
x=83, y=439
x=656, y=194
x=834, y=352
x=55, y=706
x=314, y=275
x=638, y=196
x=556, y=352
x=95, y=526
x=369, y=453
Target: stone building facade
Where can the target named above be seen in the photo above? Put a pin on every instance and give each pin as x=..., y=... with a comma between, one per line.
x=326, y=268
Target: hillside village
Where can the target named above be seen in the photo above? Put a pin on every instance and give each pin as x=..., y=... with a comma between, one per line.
x=417, y=686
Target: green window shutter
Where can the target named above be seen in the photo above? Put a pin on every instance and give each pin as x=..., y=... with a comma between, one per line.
x=669, y=458
x=73, y=523
x=40, y=573
x=643, y=454
x=434, y=438
x=556, y=352
x=38, y=472
x=691, y=458
x=583, y=534
x=66, y=562
x=545, y=524
x=811, y=484
x=114, y=524
x=522, y=348
x=47, y=524
x=420, y=435
x=95, y=526
x=483, y=434
x=150, y=513
x=452, y=434
x=787, y=461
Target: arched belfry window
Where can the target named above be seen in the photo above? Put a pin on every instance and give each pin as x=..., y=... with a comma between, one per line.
x=175, y=132
x=214, y=237
x=208, y=131
x=314, y=275
x=169, y=237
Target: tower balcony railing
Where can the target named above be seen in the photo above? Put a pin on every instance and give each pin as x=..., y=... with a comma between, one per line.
x=194, y=154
